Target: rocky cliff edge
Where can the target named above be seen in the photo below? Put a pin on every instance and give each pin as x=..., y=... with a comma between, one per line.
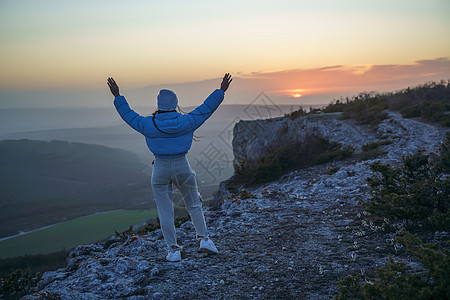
x=292, y=238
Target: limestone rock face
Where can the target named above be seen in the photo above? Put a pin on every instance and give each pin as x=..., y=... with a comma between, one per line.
x=292, y=238
x=252, y=139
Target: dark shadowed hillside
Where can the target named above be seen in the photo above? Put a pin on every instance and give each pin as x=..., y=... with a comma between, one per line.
x=46, y=182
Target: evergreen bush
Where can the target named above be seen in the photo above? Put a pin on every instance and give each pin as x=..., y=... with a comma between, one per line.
x=417, y=191
x=398, y=281
x=18, y=284
x=430, y=101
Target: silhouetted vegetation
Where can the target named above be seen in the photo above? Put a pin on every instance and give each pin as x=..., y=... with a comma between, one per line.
x=436, y=111
x=296, y=113
x=430, y=101
x=365, y=108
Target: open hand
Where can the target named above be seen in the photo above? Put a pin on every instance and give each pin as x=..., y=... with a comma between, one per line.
x=113, y=87
x=225, y=82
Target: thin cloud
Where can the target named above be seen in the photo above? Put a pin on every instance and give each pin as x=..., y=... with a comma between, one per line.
x=322, y=85
x=293, y=87
x=341, y=78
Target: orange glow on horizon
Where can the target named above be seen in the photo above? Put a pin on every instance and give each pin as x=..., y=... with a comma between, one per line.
x=294, y=93
x=340, y=81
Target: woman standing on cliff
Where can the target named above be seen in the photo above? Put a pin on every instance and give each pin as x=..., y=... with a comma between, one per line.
x=169, y=136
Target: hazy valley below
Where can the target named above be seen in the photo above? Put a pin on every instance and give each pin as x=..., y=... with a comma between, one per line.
x=48, y=182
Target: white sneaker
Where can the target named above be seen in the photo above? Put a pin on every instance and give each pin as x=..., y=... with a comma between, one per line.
x=174, y=255
x=207, y=246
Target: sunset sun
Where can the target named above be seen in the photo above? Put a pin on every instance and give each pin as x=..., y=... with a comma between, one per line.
x=296, y=93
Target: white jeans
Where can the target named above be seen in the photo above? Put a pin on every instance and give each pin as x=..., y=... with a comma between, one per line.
x=178, y=171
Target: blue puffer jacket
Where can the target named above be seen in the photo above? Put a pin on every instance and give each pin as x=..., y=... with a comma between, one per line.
x=179, y=128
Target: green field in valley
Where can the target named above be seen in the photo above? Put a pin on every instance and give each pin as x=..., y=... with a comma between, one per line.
x=72, y=233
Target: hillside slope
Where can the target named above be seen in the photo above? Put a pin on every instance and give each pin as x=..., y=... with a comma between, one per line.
x=47, y=182
x=292, y=238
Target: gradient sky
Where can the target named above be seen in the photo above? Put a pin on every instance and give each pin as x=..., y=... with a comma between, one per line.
x=52, y=45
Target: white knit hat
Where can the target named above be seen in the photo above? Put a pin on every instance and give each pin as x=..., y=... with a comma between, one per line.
x=167, y=100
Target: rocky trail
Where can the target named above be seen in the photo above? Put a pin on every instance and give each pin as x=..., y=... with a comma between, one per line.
x=293, y=238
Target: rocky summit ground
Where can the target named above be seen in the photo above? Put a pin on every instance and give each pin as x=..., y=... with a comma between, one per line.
x=293, y=238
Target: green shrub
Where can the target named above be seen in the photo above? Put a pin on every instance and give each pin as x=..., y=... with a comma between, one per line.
x=369, y=146
x=371, y=150
x=313, y=110
x=333, y=170
x=336, y=106
x=244, y=194
x=365, y=108
x=124, y=234
x=415, y=95
x=445, y=155
x=149, y=227
x=393, y=282
x=436, y=111
x=434, y=260
x=295, y=114
x=429, y=101
x=333, y=154
x=396, y=281
x=417, y=191
x=181, y=220
x=372, y=154
x=313, y=150
x=18, y=283
x=152, y=226
x=349, y=288
x=369, y=110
